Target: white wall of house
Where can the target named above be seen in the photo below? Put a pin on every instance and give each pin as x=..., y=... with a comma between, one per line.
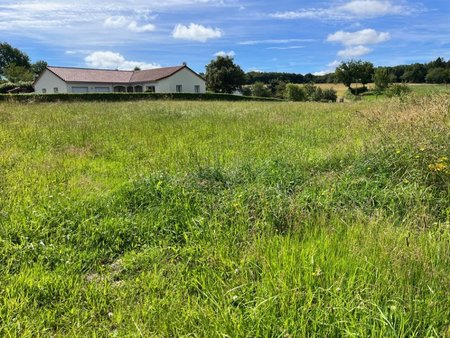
x=84, y=87
x=49, y=83
x=185, y=78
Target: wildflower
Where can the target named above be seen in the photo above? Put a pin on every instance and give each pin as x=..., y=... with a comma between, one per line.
x=398, y=151
x=437, y=167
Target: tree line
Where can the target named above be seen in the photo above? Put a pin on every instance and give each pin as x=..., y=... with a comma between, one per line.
x=437, y=71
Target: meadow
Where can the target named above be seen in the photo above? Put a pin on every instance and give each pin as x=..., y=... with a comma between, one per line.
x=225, y=219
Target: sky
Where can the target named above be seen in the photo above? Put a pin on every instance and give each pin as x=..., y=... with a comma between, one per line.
x=280, y=36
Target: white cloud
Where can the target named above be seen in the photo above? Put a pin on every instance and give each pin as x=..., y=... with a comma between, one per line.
x=111, y=60
x=115, y=22
x=353, y=52
x=362, y=37
x=355, y=9
x=372, y=8
x=313, y=13
x=195, y=32
x=286, y=48
x=231, y=53
x=271, y=41
x=331, y=67
x=133, y=26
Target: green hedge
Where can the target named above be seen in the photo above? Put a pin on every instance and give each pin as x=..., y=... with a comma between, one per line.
x=113, y=97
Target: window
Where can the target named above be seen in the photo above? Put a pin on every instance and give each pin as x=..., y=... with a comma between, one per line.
x=179, y=88
x=150, y=89
x=197, y=89
x=80, y=90
x=102, y=89
x=119, y=89
x=44, y=91
x=55, y=90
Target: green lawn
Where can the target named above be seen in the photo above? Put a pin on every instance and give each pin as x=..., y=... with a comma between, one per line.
x=225, y=219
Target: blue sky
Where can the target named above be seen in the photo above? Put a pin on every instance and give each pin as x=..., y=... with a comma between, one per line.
x=282, y=35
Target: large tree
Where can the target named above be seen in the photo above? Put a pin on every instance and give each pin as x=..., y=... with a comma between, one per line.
x=16, y=73
x=438, y=75
x=223, y=75
x=38, y=67
x=354, y=71
x=10, y=55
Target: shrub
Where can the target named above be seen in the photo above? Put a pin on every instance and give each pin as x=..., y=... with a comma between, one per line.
x=259, y=89
x=24, y=86
x=397, y=90
x=329, y=95
x=295, y=93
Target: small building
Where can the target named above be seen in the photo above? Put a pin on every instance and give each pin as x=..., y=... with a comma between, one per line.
x=178, y=79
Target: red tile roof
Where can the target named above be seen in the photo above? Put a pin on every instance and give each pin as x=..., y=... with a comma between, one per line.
x=156, y=74
x=113, y=76
x=91, y=75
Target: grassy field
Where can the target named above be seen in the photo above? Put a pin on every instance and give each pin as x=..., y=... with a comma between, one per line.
x=225, y=219
x=419, y=89
x=340, y=88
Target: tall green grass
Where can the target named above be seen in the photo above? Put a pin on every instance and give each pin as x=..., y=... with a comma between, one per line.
x=216, y=219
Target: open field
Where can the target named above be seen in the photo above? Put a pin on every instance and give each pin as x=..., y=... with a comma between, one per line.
x=340, y=88
x=225, y=219
x=420, y=88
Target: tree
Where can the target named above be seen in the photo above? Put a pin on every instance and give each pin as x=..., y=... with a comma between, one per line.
x=438, y=75
x=280, y=89
x=223, y=75
x=382, y=79
x=9, y=55
x=295, y=92
x=38, y=67
x=438, y=63
x=329, y=95
x=415, y=73
x=259, y=89
x=345, y=73
x=354, y=71
x=365, y=72
x=16, y=73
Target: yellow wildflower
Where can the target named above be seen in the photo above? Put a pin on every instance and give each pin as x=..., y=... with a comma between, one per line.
x=438, y=167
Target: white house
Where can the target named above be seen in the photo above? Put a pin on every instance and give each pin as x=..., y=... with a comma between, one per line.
x=178, y=79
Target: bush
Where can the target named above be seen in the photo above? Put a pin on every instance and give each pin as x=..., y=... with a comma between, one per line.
x=259, y=89
x=114, y=97
x=295, y=93
x=329, y=95
x=397, y=90
x=24, y=86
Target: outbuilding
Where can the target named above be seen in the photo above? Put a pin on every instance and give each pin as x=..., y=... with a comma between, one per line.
x=178, y=79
